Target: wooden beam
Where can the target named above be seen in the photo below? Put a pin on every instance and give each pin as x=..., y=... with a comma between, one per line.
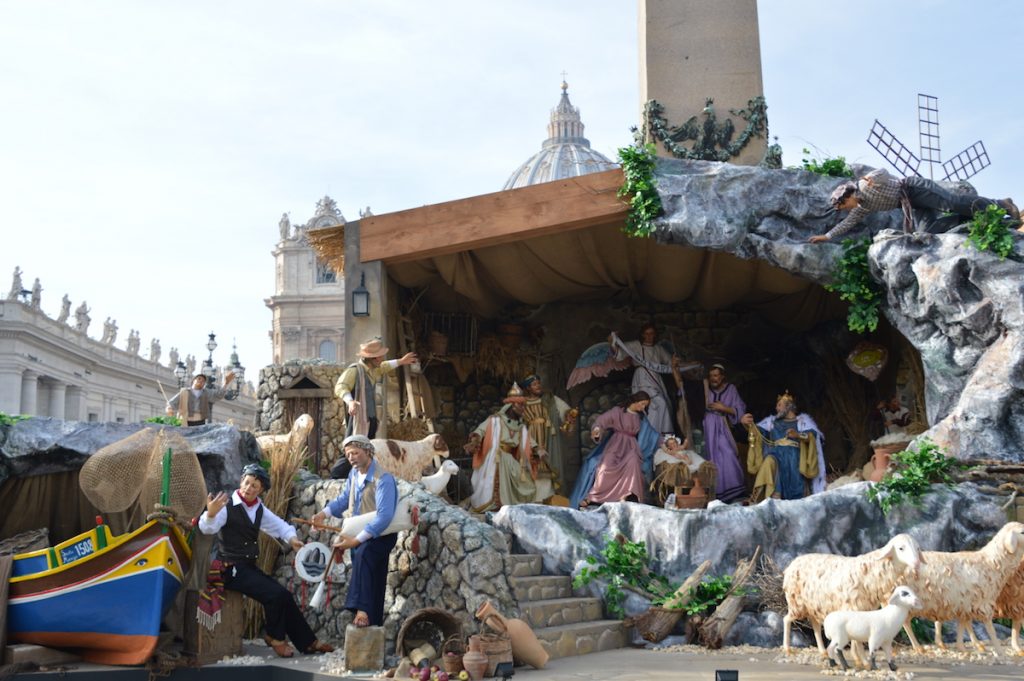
x=491, y=219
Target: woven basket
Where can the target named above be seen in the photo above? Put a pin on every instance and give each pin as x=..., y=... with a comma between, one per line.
x=428, y=625
x=497, y=646
x=451, y=654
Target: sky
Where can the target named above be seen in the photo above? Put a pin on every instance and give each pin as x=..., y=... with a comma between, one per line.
x=148, y=149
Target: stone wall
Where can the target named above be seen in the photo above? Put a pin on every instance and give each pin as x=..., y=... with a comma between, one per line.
x=272, y=410
x=461, y=562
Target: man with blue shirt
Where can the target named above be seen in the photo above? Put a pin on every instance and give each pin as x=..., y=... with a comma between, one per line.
x=366, y=490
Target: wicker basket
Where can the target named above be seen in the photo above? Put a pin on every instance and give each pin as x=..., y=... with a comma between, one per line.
x=451, y=654
x=429, y=625
x=497, y=646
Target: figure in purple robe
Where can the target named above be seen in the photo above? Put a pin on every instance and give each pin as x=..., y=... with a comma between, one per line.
x=724, y=409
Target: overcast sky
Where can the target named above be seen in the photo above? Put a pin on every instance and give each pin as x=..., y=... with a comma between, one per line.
x=147, y=150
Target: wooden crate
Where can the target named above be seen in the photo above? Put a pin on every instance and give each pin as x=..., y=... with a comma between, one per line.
x=226, y=638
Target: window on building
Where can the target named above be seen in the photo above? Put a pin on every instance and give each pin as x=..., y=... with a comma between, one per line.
x=93, y=417
x=324, y=273
x=328, y=351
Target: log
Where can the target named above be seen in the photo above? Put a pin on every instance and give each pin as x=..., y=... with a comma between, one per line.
x=713, y=631
x=657, y=623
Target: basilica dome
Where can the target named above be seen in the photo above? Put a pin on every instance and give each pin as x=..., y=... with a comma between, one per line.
x=565, y=153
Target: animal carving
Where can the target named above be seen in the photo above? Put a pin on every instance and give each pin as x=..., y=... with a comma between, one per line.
x=406, y=460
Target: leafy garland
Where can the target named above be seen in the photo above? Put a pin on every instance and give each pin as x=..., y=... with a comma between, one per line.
x=916, y=471
x=164, y=420
x=988, y=231
x=637, y=161
x=852, y=280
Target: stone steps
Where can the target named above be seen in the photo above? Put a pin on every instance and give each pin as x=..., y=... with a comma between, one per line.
x=566, y=625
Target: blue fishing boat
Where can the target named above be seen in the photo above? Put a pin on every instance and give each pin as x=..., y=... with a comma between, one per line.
x=99, y=595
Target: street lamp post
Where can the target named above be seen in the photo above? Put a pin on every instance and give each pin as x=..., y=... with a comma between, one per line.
x=179, y=373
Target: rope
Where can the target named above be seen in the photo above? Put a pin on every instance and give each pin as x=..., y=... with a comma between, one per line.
x=165, y=515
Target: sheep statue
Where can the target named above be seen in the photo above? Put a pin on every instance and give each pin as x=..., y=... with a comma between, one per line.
x=965, y=585
x=874, y=627
x=816, y=584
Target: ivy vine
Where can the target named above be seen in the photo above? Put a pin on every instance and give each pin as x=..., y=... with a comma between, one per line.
x=623, y=563
x=639, y=188
x=988, y=231
x=829, y=167
x=852, y=280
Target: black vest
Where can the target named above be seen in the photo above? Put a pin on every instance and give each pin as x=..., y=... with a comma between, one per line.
x=239, y=538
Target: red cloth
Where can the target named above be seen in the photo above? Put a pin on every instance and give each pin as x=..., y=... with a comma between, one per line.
x=211, y=599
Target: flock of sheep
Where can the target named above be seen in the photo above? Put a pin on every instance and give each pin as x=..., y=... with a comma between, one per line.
x=843, y=593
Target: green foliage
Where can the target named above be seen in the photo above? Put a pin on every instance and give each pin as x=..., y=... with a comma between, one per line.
x=852, y=280
x=639, y=187
x=988, y=231
x=623, y=562
x=830, y=167
x=706, y=596
x=915, y=472
x=924, y=631
x=164, y=420
x=8, y=420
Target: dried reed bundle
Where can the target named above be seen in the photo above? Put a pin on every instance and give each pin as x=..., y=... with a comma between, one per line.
x=499, y=360
x=768, y=582
x=851, y=406
x=410, y=429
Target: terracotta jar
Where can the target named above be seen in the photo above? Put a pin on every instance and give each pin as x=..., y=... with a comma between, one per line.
x=475, y=662
x=882, y=459
x=525, y=646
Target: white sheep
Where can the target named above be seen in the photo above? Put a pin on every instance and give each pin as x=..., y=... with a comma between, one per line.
x=437, y=482
x=817, y=584
x=874, y=627
x=1010, y=604
x=406, y=460
x=964, y=585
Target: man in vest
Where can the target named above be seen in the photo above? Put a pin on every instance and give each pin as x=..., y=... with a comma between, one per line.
x=192, y=405
x=238, y=519
x=367, y=490
x=357, y=386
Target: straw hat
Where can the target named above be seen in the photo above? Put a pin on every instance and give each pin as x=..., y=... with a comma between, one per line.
x=372, y=348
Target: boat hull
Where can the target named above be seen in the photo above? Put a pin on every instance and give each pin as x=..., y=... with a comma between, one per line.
x=108, y=604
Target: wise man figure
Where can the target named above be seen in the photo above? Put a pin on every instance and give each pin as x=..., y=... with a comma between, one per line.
x=785, y=453
x=506, y=460
x=357, y=386
x=549, y=419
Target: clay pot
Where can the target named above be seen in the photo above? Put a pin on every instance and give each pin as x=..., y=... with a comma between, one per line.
x=525, y=646
x=881, y=460
x=474, y=662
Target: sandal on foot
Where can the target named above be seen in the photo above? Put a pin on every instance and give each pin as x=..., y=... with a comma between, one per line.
x=319, y=646
x=280, y=647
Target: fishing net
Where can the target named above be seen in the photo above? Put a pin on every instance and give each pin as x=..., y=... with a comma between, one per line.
x=131, y=470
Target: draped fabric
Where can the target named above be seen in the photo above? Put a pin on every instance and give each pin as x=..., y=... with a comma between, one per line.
x=587, y=263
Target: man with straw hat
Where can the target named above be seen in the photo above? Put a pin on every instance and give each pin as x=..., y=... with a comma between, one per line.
x=357, y=386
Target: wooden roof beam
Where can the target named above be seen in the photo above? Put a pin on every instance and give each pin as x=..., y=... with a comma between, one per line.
x=491, y=219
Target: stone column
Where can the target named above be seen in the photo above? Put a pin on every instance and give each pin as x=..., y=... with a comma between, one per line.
x=694, y=49
x=29, y=393
x=10, y=390
x=57, y=407
x=76, y=404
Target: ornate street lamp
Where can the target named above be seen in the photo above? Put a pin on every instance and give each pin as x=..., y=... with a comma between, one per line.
x=239, y=371
x=208, y=369
x=179, y=373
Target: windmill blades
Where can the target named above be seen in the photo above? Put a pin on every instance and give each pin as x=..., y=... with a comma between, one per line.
x=967, y=163
x=892, y=150
x=928, y=130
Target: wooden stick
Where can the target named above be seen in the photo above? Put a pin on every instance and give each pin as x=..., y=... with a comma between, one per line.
x=315, y=526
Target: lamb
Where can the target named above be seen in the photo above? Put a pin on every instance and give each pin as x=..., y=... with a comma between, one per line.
x=817, y=584
x=874, y=627
x=437, y=482
x=964, y=585
x=406, y=460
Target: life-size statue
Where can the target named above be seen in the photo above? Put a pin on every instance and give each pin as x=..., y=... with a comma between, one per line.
x=785, y=453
